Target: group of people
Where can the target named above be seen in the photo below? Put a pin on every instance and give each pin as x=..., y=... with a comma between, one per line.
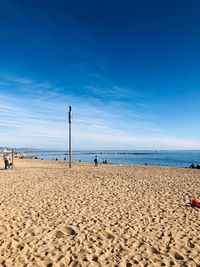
x=192, y=166
x=96, y=161
x=7, y=161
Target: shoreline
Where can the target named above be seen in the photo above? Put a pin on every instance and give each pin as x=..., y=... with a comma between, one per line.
x=134, y=158
x=100, y=164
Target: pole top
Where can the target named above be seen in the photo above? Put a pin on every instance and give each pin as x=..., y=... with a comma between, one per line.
x=70, y=115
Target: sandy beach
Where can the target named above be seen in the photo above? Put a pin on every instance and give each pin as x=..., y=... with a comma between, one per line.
x=103, y=216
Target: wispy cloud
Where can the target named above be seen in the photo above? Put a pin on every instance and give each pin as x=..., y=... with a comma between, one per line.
x=35, y=115
x=16, y=79
x=29, y=86
x=113, y=91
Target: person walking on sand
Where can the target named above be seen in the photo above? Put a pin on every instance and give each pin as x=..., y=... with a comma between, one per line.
x=95, y=161
x=6, y=161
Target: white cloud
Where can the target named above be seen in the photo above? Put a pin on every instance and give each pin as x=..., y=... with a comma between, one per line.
x=113, y=91
x=36, y=118
x=99, y=126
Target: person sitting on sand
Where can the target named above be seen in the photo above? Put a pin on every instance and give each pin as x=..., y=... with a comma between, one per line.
x=192, y=166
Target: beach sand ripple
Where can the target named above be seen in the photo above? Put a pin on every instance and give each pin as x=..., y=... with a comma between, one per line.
x=105, y=216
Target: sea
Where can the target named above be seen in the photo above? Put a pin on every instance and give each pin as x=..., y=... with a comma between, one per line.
x=174, y=158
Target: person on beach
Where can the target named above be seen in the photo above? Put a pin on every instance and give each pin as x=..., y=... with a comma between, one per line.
x=95, y=161
x=7, y=161
x=192, y=166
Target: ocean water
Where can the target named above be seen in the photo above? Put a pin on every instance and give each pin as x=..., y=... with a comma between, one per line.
x=130, y=157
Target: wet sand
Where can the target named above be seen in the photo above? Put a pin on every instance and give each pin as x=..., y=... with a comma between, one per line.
x=98, y=216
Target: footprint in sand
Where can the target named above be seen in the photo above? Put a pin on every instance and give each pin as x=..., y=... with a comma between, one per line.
x=65, y=231
x=107, y=235
x=176, y=255
x=152, y=250
x=59, y=234
x=69, y=230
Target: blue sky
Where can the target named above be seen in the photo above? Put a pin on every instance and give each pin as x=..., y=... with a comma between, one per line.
x=130, y=70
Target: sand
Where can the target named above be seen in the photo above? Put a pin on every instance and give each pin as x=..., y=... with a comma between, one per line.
x=98, y=216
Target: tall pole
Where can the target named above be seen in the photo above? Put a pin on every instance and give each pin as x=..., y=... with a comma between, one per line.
x=70, y=136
